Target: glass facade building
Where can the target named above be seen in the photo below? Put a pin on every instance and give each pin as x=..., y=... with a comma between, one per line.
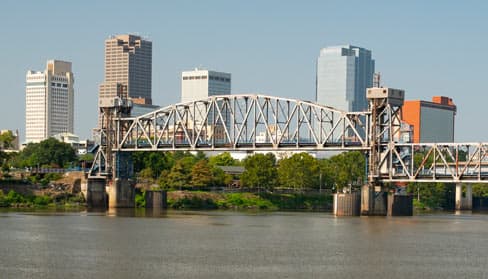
x=343, y=74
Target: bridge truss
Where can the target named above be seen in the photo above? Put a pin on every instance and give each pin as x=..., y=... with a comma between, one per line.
x=267, y=123
x=244, y=122
x=434, y=162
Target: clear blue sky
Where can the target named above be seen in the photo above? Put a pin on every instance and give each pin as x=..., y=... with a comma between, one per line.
x=425, y=47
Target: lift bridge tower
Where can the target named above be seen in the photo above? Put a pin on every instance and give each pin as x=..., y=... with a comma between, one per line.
x=385, y=106
x=112, y=170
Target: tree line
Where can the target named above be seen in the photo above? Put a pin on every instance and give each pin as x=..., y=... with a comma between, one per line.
x=261, y=171
x=49, y=153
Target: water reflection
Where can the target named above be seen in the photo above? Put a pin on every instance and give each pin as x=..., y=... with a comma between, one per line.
x=137, y=212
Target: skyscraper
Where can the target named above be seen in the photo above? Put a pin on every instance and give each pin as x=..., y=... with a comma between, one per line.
x=49, y=101
x=199, y=84
x=343, y=74
x=128, y=68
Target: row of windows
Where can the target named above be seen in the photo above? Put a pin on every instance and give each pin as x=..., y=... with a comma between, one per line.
x=220, y=78
x=64, y=85
x=198, y=77
x=59, y=78
x=205, y=77
x=37, y=83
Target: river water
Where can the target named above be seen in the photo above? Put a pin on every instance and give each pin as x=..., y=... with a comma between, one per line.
x=172, y=244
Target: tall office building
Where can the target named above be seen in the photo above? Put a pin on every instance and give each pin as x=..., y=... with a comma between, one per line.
x=343, y=74
x=49, y=101
x=199, y=84
x=128, y=69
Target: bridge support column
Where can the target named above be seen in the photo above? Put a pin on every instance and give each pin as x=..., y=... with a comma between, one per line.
x=347, y=204
x=96, y=196
x=373, y=201
x=121, y=193
x=367, y=195
x=466, y=202
x=156, y=199
x=400, y=205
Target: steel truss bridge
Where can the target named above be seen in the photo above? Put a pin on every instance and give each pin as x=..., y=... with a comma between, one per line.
x=267, y=123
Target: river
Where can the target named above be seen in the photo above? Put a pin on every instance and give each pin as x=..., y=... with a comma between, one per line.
x=226, y=244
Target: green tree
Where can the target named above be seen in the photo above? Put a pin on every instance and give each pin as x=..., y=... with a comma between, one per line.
x=260, y=171
x=146, y=173
x=156, y=161
x=431, y=194
x=49, y=152
x=348, y=168
x=299, y=171
x=163, y=180
x=480, y=190
x=200, y=156
x=201, y=174
x=220, y=178
x=6, y=140
x=326, y=174
x=88, y=157
x=180, y=174
x=223, y=159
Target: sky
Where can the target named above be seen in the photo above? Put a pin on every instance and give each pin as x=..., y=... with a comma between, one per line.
x=427, y=48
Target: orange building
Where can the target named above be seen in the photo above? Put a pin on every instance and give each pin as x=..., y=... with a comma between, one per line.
x=431, y=121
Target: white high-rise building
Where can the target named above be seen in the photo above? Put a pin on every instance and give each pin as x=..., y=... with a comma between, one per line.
x=200, y=84
x=343, y=74
x=49, y=101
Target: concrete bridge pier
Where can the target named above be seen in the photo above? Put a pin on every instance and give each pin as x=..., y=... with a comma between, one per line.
x=347, y=204
x=95, y=194
x=373, y=201
x=121, y=193
x=156, y=199
x=466, y=202
x=400, y=205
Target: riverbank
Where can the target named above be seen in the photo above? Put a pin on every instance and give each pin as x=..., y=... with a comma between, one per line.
x=179, y=200
x=68, y=196
x=263, y=201
x=62, y=193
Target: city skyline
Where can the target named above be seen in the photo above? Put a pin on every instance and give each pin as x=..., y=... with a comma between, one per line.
x=440, y=49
